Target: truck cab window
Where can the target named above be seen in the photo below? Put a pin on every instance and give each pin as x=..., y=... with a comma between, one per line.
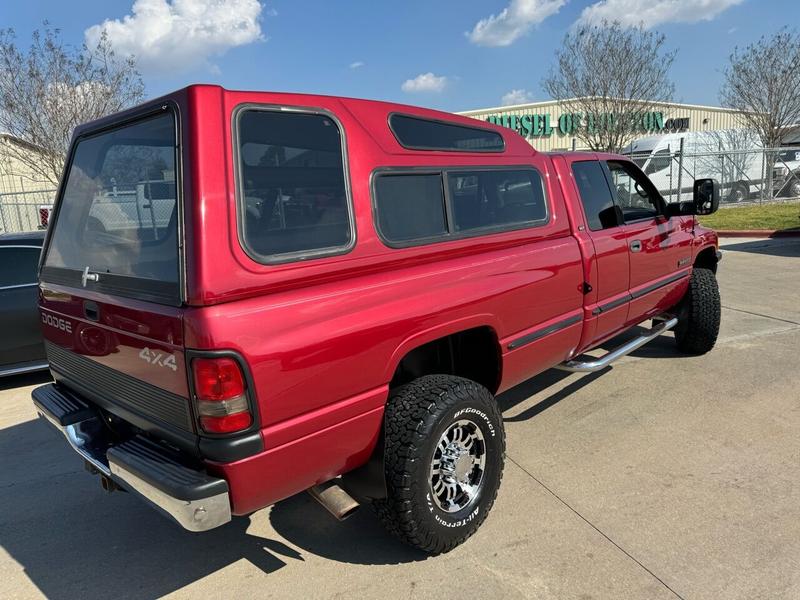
x=598, y=203
x=635, y=194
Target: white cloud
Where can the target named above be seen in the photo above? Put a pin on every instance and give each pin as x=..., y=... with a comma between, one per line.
x=169, y=35
x=514, y=21
x=651, y=13
x=516, y=97
x=357, y=64
x=425, y=82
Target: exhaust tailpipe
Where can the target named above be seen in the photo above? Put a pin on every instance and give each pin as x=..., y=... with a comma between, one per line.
x=335, y=500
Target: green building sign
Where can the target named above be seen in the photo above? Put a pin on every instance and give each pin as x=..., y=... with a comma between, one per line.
x=542, y=125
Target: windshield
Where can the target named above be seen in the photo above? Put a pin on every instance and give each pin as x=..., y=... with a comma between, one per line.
x=118, y=212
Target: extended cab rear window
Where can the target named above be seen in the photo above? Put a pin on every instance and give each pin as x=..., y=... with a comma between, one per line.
x=292, y=188
x=118, y=213
x=414, y=208
x=415, y=133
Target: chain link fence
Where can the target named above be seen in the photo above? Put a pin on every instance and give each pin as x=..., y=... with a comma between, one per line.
x=745, y=176
x=25, y=211
x=146, y=205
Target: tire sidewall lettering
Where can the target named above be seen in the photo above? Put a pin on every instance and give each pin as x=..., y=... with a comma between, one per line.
x=469, y=410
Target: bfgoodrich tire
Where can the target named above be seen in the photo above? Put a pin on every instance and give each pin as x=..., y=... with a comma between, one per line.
x=699, y=314
x=444, y=455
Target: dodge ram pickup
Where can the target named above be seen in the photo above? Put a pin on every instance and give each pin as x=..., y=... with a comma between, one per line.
x=245, y=295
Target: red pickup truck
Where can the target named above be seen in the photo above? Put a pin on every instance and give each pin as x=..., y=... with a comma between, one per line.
x=245, y=295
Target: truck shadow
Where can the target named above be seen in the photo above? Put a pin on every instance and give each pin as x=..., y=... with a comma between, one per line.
x=661, y=347
x=780, y=246
x=74, y=540
x=16, y=381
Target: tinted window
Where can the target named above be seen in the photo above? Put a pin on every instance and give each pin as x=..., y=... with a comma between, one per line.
x=410, y=207
x=635, y=194
x=292, y=195
x=18, y=266
x=658, y=162
x=598, y=203
x=118, y=212
x=424, y=134
x=495, y=198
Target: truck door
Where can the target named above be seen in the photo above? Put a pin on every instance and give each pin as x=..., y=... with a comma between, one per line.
x=660, y=248
x=607, y=267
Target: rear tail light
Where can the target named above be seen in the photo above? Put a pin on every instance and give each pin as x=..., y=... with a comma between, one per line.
x=221, y=395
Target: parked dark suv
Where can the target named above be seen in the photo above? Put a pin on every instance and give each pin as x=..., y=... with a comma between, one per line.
x=21, y=345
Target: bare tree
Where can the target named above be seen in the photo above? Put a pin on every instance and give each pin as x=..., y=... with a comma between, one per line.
x=612, y=75
x=763, y=81
x=48, y=89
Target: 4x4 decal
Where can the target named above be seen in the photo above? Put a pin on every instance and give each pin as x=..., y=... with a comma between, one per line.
x=159, y=359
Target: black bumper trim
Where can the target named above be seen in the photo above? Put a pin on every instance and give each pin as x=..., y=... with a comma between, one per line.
x=165, y=469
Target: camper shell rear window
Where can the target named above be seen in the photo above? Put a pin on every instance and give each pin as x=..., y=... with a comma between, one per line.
x=416, y=133
x=118, y=215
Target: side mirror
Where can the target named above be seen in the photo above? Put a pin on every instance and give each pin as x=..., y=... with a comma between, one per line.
x=706, y=196
x=680, y=209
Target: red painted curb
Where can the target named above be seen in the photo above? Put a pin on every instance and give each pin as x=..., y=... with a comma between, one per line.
x=758, y=233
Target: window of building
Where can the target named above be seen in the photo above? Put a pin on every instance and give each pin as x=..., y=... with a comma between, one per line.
x=293, y=200
x=598, y=203
x=416, y=133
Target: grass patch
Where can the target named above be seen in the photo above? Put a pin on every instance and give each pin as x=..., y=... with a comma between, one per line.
x=768, y=216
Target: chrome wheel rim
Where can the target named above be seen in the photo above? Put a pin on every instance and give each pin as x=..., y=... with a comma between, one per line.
x=458, y=465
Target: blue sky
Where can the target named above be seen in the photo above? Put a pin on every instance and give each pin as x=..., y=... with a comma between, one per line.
x=448, y=54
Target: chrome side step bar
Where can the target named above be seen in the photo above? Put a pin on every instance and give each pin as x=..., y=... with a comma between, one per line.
x=597, y=364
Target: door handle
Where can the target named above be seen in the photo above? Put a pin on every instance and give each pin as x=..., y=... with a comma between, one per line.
x=636, y=246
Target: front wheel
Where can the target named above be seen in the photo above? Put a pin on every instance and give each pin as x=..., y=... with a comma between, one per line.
x=444, y=454
x=699, y=314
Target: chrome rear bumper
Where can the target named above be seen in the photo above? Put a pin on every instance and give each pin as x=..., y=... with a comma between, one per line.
x=191, y=497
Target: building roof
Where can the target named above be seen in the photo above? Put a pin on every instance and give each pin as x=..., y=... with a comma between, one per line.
x=551, y=102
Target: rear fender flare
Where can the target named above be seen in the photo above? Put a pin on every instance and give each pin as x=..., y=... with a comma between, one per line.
x=439, y=331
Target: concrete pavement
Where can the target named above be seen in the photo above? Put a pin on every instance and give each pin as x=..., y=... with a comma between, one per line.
x=664, y=476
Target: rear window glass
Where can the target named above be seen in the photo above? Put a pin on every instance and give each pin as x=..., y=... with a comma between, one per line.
x=292, y=197
x=424, y=134
x=118, y=213
x=410, y=207
x=18, y=266
x=496, y=198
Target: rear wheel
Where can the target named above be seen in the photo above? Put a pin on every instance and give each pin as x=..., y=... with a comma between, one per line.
x=740, y=192
x=444, y=455
x=794, y=187
x=699, y=314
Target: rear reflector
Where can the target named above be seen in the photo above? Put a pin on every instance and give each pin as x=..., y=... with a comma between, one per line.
x=229, y=424
x=220, y=391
